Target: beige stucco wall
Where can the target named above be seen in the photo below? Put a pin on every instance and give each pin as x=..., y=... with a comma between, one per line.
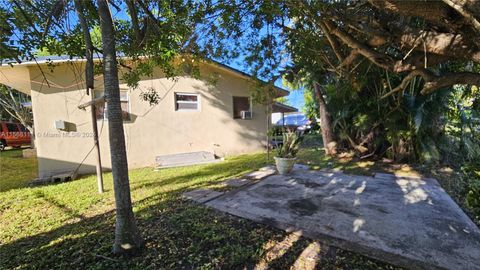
x=153, y=130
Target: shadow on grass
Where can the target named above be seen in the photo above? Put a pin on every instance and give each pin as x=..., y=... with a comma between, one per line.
x=54, y=202
x=178, y=234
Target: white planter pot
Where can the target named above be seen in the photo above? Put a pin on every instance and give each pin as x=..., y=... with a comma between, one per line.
x=284, y=165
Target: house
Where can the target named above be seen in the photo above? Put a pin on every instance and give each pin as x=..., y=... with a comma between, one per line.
x=193, y=115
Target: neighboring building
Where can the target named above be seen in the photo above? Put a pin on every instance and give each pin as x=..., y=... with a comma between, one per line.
x=192, y=115
x=278, y=116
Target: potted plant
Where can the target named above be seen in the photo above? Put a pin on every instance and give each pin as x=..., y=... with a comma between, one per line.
x=287, y=152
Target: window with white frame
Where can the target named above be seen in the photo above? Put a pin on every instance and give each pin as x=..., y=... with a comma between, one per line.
x=187, y=102
x=101, y=109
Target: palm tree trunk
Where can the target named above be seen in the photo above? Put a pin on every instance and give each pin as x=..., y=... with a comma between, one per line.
x=127, y=236
x=325, y=122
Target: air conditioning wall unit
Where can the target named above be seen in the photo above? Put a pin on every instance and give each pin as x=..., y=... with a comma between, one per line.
x=60, y=125
x=246, y=114
x=65, y=126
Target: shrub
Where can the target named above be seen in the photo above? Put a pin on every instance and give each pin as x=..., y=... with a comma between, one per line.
x=289, y=148
x=472, y=199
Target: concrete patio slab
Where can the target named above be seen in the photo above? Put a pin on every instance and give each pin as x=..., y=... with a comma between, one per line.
x=407, y=222
x=267, y=168
x=237, y=182
x=260, y=174
x=387, y=176
x=298, y=166
x=201, y=195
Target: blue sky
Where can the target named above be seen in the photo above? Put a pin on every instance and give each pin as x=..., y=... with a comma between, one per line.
x=295, y=98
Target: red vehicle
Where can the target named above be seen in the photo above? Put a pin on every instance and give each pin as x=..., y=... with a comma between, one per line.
x=13, y=134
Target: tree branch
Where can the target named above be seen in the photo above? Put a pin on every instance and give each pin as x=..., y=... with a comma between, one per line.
x=26, y=17
x=56, y=11
x=133, y=15
x=377, y=58
x=447, y=44
x=431, y=10
x=89, y=76
x=465, y=13
x=426, y=75
x=417, y=60
x=378, y=37
x=444, y=44
x=450, y=79
x=333, y=42
x=349, y=59
x=150, y=15
x=434, y=82
x=11, y=101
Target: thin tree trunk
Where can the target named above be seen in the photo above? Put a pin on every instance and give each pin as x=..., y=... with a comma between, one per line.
x=88, y=46
x=269, y=114
x=127, y=236
x=89, y=81
x=325, y=122
x=32, y=137
x=136, y=28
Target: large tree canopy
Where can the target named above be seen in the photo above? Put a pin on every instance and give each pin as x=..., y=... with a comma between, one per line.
x=383, y=49
x=409, y=37
x=414, y=37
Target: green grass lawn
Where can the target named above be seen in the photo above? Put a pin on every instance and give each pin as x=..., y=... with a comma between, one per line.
x=16, y=171
x=70, y=225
